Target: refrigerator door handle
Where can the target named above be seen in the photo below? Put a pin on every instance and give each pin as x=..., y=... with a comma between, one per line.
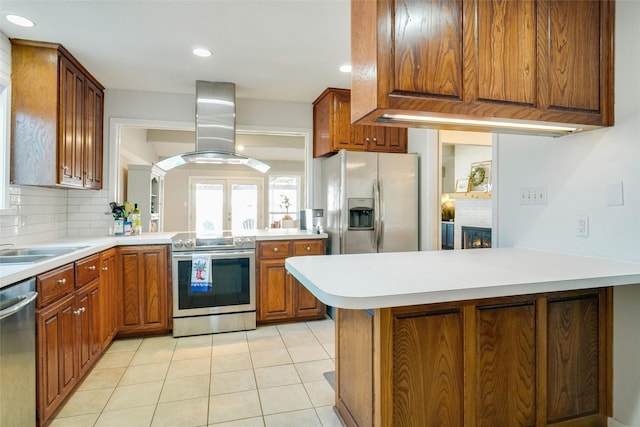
x=377, y=218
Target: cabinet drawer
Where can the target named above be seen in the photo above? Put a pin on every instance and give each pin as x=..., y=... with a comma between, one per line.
x=54, y=284
x=276, y=249
x=308, y=247
x=87, y=269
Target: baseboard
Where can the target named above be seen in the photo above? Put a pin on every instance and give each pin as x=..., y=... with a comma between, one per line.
x=613, y=423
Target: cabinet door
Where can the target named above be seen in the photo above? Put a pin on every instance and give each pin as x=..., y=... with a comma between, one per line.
x=504, y=53
x=305, y=303
x=341, y=132
x=276, y=299
x=143, y=293
x=575, y=58
x=332, y=130
x=87, y=313
x=56, y=365
x=354, y=366
x=93, y=105
x=107, y=296
x=427, y=65
x=385, y=139
x=71, y=122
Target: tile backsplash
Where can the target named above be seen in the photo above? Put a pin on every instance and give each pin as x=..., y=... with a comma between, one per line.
x=40, y=214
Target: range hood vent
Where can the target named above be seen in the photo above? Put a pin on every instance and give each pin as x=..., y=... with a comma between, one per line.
x=215, y=130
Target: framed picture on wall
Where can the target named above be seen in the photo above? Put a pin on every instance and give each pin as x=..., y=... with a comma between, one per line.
x=480, y=176
x=462, y=185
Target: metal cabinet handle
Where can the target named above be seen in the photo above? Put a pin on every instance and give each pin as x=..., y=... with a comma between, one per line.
x=308, y=248
x=105, y=268
x=275, y=249
x=91, y=268
x=62, y=281
x=367, y=139
x=375, y=139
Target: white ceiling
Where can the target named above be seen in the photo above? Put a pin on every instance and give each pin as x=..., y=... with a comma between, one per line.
x=287, y=50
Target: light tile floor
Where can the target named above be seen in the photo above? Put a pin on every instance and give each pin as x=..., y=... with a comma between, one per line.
x=273, y=377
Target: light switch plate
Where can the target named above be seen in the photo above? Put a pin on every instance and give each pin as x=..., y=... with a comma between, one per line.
x=615, y=194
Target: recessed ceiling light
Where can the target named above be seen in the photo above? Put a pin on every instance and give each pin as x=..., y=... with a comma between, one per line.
x=202, y=52
x=345, y=68
x=19, y=20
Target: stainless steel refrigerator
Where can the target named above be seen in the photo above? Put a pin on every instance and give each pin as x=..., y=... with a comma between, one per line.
x=371, y=202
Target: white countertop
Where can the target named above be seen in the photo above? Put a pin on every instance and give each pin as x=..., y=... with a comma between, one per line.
x=367, y=281
x=285, y=234
x=14, y=273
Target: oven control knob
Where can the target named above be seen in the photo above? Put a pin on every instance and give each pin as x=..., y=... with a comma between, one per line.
x=177, y=244
x=189, y=243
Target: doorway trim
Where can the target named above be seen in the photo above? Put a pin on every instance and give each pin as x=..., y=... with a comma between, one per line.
x=116, y=124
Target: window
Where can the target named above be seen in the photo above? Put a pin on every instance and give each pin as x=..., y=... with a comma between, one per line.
x=284, y=197
x=217, y=205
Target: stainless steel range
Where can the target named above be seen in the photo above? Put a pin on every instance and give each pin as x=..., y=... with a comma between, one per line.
x=214, y=285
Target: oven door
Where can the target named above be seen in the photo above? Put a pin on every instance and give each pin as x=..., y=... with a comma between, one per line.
x=233, y=284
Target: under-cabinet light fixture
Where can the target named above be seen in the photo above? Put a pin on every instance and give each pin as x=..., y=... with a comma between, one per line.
x=484, y=123
x=346, y=68
x=19, y=20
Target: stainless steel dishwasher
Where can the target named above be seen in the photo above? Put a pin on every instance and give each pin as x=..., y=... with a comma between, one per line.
x=18, y=355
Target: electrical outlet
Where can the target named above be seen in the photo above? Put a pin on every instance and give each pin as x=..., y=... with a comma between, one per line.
x=582, y=226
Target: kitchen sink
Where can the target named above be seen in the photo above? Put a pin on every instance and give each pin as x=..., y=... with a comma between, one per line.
x=22, y=259
x=28, y=255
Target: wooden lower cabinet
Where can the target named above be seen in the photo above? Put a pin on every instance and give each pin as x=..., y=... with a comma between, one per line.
x=281, y=297
x=143, y=279
x=275, y=296
x=56, y=368
x=79, y=306
x=532, y=360
x=68, y=336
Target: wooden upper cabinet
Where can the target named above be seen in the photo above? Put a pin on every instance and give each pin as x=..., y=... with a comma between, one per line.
x=57, y=118
x=333, y=131
x=529, y=61
x=93, y=143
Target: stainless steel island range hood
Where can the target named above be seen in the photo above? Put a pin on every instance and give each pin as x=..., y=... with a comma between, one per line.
x=215, y=130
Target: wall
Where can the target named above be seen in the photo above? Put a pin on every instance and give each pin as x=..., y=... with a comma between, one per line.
x=43, y=214
x=425, y=143
x=576, y=170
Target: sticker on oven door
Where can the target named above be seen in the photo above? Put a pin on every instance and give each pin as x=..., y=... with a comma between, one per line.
x=201, y=280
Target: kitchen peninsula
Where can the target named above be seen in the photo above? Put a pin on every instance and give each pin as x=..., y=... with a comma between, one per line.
x=490, y=337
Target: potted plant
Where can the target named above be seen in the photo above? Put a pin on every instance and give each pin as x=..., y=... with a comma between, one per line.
x=287, y=221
